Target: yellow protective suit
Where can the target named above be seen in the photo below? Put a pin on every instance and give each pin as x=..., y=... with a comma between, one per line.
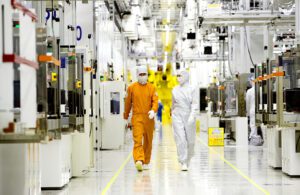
x=142, y=99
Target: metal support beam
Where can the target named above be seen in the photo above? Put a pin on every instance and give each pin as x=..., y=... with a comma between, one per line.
x=249, y=18
x=242, y=59
x=266, y=42
x=297, y=19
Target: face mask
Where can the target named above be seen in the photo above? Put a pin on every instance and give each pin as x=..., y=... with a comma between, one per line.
x=143, y=79
x=180, y=80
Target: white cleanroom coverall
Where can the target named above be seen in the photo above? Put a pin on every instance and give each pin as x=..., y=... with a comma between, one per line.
x=250, y=105
x=184, y=110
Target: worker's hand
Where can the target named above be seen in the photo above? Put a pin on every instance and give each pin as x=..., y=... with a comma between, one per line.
x=128, y=125
x=191, y=119
x=151, y=114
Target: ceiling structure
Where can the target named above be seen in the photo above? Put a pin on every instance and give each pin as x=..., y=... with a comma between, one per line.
x=159, y=27
x=158, y=23
x=168, y=15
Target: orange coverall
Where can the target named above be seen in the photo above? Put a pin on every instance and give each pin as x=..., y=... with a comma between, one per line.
x=142, y=99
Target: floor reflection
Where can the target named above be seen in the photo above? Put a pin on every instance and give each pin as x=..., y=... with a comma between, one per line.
x=142, y=183
x=208, y=173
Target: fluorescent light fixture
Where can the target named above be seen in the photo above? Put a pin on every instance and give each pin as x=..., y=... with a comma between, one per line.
x=223, y=22
x=167, y=34
x=168, y=16
x=180, y=14
x=259, y=21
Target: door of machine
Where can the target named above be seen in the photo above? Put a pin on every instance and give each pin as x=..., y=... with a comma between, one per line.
x=112, y=108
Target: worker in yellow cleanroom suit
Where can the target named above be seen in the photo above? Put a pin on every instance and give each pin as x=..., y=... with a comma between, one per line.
x=143, y=99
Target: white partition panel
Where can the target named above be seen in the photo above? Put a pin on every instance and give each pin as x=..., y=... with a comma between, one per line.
x=6, y=69
x=28, y=74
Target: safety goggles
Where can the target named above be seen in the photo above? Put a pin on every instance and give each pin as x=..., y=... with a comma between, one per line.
x=143, y=74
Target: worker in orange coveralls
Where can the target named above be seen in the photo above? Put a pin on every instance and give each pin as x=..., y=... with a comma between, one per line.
x=143, y=99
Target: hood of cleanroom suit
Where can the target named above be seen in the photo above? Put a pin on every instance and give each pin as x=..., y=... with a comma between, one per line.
x=142, y=79
x=184, y=77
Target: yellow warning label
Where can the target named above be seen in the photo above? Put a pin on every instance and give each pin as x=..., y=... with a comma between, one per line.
x=53, y=76
x=215, y=136
x=78, y=84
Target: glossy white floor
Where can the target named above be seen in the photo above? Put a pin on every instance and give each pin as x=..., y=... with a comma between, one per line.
x=229, y=170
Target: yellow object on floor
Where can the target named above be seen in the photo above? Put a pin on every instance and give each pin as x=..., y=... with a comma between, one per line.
x=215, y=136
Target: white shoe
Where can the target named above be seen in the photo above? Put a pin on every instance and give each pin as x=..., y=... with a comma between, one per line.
x=139, y=165
x=146, y=166
x=184, y=167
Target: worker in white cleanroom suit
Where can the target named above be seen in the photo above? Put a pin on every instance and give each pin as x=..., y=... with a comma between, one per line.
x=184, y=110
x=250, y=106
